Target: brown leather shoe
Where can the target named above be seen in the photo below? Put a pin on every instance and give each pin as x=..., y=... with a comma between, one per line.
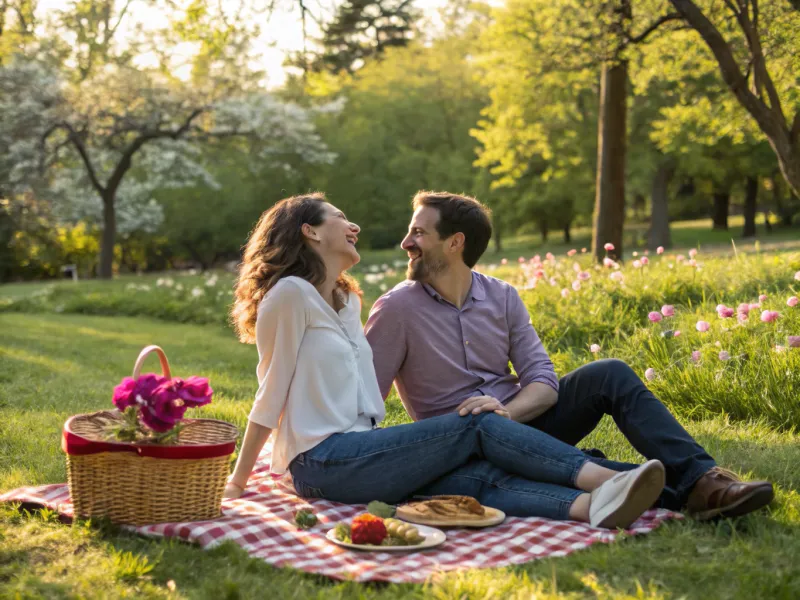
x=720, y=493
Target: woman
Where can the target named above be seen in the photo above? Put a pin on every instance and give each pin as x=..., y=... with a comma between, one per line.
x=318, y=395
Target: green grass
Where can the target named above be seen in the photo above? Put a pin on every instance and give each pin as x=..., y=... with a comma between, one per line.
x=52, y=366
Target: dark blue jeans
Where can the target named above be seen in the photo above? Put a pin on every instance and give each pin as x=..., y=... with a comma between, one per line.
x=503, y=464
x=611, y=387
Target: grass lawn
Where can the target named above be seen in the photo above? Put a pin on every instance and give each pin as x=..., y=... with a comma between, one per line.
x=56, y=365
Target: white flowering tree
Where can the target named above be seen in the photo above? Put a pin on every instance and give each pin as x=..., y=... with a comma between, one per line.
x=103, y=145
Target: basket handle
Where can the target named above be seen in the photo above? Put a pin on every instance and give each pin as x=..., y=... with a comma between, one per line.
x=162, y=358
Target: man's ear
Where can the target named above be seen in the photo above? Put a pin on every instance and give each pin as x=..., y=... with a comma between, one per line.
x=309, y=232
x=457, y=242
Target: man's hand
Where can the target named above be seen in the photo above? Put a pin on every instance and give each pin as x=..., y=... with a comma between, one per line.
x=478, y=404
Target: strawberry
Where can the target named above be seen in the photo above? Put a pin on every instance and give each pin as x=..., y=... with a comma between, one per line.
x=368, y=529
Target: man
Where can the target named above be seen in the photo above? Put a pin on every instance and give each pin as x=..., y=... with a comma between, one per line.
x=447, y=334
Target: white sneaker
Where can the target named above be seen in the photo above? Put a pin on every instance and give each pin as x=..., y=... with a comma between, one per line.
x=623, y=498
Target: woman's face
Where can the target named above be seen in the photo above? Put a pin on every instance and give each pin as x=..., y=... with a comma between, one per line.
x=336, y=236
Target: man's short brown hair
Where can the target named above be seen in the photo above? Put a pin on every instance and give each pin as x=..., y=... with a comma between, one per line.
x=460, y=214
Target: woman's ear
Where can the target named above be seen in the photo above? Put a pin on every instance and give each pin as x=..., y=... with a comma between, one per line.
x=309, y=232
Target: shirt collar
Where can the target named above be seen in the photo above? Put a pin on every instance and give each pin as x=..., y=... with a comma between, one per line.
x=476, y=290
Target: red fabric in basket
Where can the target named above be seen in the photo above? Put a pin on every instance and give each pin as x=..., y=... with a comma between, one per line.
x=262, y=522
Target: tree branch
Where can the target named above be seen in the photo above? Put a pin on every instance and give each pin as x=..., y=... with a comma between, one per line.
x=637, y=39
x=77, y=141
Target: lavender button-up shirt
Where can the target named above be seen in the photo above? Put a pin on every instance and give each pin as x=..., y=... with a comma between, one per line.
x=439, y=355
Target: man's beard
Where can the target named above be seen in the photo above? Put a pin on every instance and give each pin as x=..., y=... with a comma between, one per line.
x=425, y=267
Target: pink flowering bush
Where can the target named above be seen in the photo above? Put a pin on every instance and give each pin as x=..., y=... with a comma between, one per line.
x=154, y=406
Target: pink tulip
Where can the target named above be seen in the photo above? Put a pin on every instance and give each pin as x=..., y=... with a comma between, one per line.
x=692, y=253
x=564, y=293
x=607, y=262
x=616, y=276
x=650, y=374
x=677, y=333
x=743, y=308
x=645, y=260
x=194, y=391
x=768, y=316
x=637, y=264
x=594, y=348
x=549, y=256
x=127, y=392
x=164, y=409
x=692, y=263
x=724, y=355
x=660, y=250
x=583, y=275
x=742, y=316
x=654, y=316
x=668, y=310
x=521, y=259
x=576, y=285
x=608, y=246
x=762, y=298
x=793, y=301
x=696, y=356
x=553, y=281
x=680, y=258
x=539, y=274
x=702, y=326
x=755, y=305
x=572, y=252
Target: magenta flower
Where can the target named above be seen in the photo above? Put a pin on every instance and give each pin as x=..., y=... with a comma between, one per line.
x=742, y=316
x=660, y=250
x=768, y=316
x=164, y=409
x=608, y=246
x=650, y=374
x=127, y=392
x=793, y=341
x=724, y=355
x=703, y=326
x=654, y=316
x=793, y=301
x=696, y=356
x=194, y=391
x=744, y=307
x=645, y=260
x=668, y=310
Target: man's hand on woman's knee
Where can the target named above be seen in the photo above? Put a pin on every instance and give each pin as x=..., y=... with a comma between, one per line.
x=481, y=404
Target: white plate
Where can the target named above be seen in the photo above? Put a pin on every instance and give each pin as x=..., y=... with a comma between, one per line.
x=433, y=537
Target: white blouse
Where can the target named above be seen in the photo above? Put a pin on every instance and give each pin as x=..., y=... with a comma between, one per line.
x=315, y=371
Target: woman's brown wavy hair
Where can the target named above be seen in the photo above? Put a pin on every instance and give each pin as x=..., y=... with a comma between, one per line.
x=277, y=248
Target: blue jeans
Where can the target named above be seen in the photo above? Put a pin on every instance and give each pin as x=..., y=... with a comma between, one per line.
x=611, y=387
x=505, y=465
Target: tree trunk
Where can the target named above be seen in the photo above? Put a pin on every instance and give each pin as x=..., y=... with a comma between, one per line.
x=659, y=234
x=567, y=234
x=722, y=200
x=544, y=229
x=108, y=238
x=609, y=206
x=498, y=239
x=750, y=203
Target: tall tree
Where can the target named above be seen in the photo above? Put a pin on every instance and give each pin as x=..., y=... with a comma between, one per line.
x=748, y=41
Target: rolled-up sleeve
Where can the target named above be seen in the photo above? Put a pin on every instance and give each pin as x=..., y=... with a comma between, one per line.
x=527, y=354
x=280, y=326
x=384, y=331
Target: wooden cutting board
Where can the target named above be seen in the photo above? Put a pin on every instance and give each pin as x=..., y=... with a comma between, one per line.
x=491, y=517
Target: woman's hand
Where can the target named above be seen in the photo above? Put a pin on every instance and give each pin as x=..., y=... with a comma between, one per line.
x=232, y=490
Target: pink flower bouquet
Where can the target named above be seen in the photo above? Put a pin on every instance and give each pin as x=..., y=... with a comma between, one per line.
x=153, y=405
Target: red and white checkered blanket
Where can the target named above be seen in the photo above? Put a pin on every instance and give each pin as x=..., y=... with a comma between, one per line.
x=262, y=522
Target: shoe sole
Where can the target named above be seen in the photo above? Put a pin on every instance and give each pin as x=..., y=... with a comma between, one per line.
x=640, y=495
x=758, y=498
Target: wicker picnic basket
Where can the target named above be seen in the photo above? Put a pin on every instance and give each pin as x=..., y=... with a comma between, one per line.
x=139, y=483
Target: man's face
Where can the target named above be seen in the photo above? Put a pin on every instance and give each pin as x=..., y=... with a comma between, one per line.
x=426, y=256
